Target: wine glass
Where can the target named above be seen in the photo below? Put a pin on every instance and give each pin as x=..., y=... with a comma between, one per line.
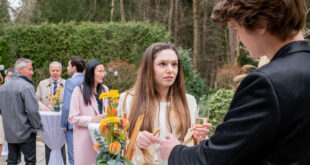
x=202, y=115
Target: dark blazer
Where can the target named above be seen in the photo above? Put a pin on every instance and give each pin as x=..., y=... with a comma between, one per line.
x=268, y=122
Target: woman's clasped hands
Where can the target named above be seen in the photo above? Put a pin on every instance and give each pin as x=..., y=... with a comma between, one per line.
x=145, y=139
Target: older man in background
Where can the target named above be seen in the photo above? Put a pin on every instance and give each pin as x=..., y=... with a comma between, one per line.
x=20, y=112
x=47, y=87
x=45, y=90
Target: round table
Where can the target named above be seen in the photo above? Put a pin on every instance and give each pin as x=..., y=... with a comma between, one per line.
x=53, y=135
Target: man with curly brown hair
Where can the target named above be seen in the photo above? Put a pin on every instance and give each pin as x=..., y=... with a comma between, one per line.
x=268, y=120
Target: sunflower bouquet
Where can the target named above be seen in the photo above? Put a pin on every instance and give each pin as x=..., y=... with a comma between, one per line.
x=55, y=100
x=113, y=129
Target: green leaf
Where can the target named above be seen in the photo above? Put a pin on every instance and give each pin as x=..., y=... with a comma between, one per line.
x=128, y=162
x=101, y=163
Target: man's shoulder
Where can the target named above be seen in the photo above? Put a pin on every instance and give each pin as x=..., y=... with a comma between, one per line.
x=5, y=85
x=45, y=82
x=69, y=82
x=17, y=85
x=78, y=76
x=289, y=65
x=76, y=79
x=23, y=86
x=19, y=82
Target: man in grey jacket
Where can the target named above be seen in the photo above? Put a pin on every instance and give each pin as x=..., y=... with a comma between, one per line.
x=20, y=112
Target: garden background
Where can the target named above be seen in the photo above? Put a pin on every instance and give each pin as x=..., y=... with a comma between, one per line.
x=117, y=32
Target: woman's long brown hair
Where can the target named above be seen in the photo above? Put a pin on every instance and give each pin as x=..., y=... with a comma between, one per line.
x=145, y=97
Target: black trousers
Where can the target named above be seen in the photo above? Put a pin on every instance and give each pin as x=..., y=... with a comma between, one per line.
x=48, y=153
x=28, y=148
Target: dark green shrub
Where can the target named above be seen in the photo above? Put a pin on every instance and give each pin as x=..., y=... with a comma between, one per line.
x=106, y=42
x=125, y=77
x=216, y=105
x=4, y=53
x=245, y=58
x=195, y=85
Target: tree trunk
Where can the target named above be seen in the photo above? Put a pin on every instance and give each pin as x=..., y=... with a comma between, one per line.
x=112, y=11
x=196, y=34
x=4, y=11
x=94, y=10
x=146, y=10
x=170, y=16
x=233, y=45
x=204, y=34
x=157, y=6
x=226, y=46
x=121, y=4
x=176, y=21
x=95, y=5
x=204, y=53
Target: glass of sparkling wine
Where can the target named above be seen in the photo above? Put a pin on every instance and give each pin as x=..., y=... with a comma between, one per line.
x=202, y=116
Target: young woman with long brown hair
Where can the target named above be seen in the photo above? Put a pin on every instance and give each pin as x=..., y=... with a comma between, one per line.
x=159, y=94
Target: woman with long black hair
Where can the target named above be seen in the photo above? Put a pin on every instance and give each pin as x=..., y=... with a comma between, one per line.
x=85, y=108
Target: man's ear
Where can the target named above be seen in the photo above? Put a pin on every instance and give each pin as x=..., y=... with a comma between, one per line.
x=74, y=68
x=20, y=70
x=262, y=29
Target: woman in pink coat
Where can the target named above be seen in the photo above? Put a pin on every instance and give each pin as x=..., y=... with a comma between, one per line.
x=85, y=108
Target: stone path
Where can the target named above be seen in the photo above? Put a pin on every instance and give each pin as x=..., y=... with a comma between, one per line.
x=40, y=156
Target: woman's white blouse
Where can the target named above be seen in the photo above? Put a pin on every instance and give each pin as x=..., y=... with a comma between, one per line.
x=160, y=119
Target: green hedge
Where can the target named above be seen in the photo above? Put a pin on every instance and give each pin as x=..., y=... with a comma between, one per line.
x=195, y=85
x=50, y=42
x=217, y=105
x=106, y=42
x=4, y=53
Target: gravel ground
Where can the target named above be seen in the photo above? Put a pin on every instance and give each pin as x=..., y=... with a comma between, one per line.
x=40, y=156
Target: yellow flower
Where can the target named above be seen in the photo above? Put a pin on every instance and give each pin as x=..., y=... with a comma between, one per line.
x=113, y=91
x=59, y=89
x=115, y=101
x=103, y=95
x=118, y=134
x=110, y=94
x=114, y=95
x=115, y=148
x=56, y=96
x=109, y=120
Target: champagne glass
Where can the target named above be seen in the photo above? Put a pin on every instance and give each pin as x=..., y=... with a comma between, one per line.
x=202, y=115
x=202, y=118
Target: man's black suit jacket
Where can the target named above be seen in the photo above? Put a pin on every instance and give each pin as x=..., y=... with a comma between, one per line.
x=268, y=122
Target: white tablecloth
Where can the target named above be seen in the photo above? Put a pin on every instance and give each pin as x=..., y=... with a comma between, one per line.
x=53, y=135
x=91, y=128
